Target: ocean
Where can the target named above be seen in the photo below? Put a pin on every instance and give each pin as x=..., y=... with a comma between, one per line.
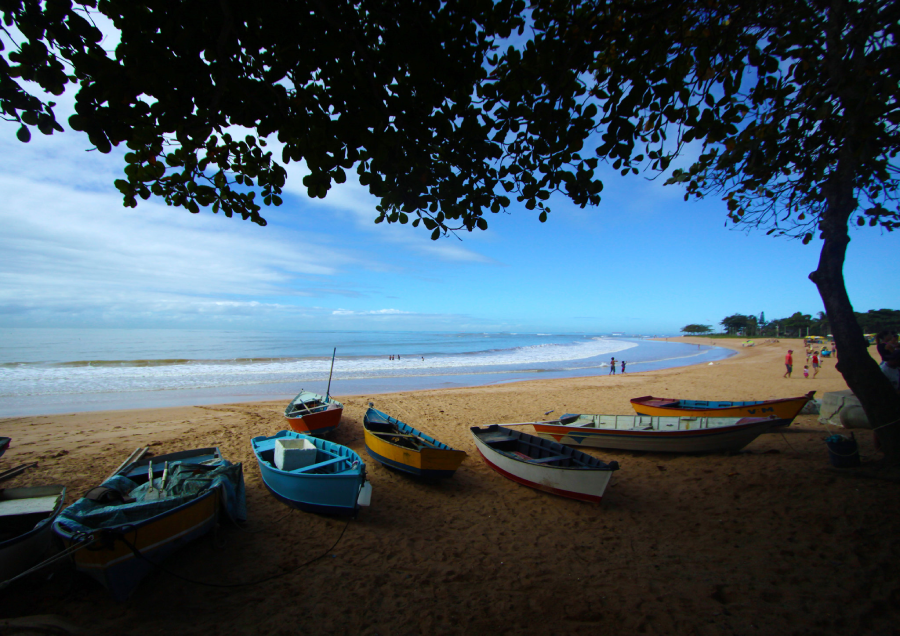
x=47, y=371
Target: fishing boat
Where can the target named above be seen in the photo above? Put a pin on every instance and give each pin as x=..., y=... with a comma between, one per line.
x=543, y=464
x=312, y=474
x=314, y=414
x=148, y=509
x=4, y=444
x=26, y=517
x=400, y=446
x=655, y=434
x=784, y=410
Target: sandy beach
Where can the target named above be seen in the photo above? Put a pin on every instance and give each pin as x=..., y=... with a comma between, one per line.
x=771, y=540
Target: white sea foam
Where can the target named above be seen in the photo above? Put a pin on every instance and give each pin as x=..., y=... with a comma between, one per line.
x=37, y=380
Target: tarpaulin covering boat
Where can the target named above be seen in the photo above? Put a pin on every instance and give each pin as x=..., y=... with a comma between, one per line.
x=147, y=510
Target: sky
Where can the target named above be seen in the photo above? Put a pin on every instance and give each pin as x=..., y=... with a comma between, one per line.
x=642, y=262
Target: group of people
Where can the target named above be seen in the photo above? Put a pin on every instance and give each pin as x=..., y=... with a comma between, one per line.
x=812, y=356
x=886, y=343
x=612, y=366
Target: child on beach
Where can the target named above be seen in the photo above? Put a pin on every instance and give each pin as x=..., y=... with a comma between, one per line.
x=623, y=366
x=612, y=366
x=789, y=363
x=806, y=371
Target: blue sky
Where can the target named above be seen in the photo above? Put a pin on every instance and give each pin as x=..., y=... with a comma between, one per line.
x=644, y=261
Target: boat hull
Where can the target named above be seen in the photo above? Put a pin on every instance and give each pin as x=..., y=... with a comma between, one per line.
x=784, y=410
x=112, y=561
x=671, y=435
x=334, y=493
x=123, y=554
x=29, y=546
x=582, y=484
x=422, y=456
x=322, y=416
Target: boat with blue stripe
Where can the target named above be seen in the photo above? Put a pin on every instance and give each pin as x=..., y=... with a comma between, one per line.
x=312, y=474
x=398, y=445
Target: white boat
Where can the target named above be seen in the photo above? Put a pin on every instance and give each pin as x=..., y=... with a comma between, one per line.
x=26, y=518
x=668, y=434
x=543, y=464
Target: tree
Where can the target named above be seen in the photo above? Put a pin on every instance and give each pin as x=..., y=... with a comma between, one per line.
x=793, y=107
x=735, y=324
x=798, y=324
x=384, y=87
x=693, y=329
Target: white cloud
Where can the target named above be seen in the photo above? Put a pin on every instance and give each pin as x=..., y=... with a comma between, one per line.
x=352, y=199
x=65, y=250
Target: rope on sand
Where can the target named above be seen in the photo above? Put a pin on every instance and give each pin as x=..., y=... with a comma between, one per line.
x=56, y=557
x=138, y=554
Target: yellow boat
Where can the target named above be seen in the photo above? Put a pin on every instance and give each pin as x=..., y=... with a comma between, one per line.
x=398, y=445
x=785, y=410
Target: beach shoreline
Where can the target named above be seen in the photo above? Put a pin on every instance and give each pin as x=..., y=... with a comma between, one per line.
x=766, y=541
x=67, y=387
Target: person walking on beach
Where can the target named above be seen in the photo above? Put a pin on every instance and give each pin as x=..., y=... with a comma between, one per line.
x=806, y=371
x=789, y=363
x=815, y=363
x=612, y=366
x=623, y=366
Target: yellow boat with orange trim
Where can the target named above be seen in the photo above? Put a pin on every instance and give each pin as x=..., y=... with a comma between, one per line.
x=785, y=410
x=122, y=529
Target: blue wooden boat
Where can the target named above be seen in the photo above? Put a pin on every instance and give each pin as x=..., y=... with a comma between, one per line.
x=4, y=444
x=152, y=506
x=312, y=474
x=400, y=446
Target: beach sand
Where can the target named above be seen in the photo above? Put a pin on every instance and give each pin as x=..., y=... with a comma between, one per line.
x=768, y=541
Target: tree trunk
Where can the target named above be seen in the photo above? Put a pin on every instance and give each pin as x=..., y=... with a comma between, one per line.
x=861, y=372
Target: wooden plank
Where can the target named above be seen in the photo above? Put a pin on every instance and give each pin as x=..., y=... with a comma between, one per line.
x=136, y=455
x=18, y=470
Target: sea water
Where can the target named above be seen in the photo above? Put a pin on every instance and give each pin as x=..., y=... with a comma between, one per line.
x=44, y=371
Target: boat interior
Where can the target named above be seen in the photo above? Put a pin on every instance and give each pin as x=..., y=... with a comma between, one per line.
x=305, y=408
x=325, y=463
x=533, y=450
x=390, y=432
x=19, y=515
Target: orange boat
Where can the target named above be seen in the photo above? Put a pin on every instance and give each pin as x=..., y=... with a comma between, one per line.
x=313, y=414
x=785, y=410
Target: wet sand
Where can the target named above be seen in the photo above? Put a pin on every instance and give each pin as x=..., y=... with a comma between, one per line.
x=767, y=541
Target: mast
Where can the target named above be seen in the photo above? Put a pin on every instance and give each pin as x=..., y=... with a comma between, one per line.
x=328, y=390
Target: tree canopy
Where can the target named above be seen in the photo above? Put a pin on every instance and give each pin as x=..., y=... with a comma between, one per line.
x=385, y=88
x=694, y=329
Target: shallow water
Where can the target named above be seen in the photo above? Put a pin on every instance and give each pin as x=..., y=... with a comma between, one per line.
x=45, y=371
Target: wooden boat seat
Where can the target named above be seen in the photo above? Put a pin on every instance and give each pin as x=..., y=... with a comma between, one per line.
x=544, y=460
x=319, y=465
x=30, y=505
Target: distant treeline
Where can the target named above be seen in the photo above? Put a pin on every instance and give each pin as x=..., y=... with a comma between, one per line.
x=798, y=325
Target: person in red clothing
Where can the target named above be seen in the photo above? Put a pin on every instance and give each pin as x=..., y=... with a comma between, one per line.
x=789, y=363
x=815, y=363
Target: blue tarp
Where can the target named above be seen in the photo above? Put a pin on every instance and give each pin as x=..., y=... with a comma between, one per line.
x=184, y=483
